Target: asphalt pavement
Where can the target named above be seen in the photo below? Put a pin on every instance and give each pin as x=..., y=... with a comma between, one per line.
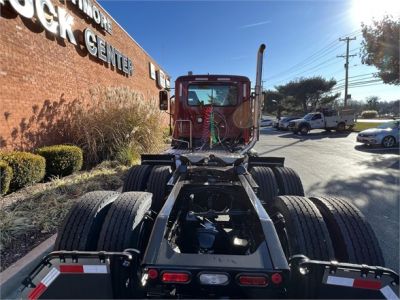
x=331, y=163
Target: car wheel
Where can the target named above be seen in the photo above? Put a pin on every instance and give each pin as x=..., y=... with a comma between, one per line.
x=388, y=142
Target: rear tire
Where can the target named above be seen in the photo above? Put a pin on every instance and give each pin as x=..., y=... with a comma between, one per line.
x=136, y=179
x=353, y=238
x=289, y=182
x=123, y=228
x=302, y=230
x=81, y=227
x=341, y=127
x=268, y=187
x=157, y=185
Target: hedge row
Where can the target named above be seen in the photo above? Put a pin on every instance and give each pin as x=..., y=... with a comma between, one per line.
x=27, y=168
x=19, y=169
x=61, y=160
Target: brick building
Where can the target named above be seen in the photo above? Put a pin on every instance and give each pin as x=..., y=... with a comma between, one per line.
x=57, y=52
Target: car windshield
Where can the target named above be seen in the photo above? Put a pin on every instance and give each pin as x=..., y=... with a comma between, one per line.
x=218, y=95
x=392, y=124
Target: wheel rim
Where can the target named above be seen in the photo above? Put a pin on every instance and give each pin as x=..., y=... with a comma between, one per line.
x=303, y=130
x=388, y=142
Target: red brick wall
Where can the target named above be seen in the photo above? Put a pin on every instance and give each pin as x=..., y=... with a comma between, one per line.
x=38, y=69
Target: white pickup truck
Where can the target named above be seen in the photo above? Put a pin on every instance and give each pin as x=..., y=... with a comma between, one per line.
x=326, y=119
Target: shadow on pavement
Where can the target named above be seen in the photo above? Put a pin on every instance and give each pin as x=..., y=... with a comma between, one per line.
x=280, y=147
x=377, y=149
x=313, y=135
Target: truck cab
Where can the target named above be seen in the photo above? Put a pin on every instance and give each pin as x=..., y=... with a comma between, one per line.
x=211, y=111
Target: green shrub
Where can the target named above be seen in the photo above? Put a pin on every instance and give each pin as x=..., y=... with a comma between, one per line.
x=6, y=175
x=61, y=160
x=27, y=168
x=369, y=114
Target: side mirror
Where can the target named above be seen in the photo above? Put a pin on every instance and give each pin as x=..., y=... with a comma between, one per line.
x=163, y=95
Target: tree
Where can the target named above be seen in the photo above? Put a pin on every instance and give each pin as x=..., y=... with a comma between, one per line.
x=373, y=102
x=309, y=93
x=381, y=48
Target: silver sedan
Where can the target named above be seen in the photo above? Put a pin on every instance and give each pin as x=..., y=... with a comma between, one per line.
x=386, y=134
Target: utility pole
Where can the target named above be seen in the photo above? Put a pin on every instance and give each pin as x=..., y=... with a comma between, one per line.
x=347, y=39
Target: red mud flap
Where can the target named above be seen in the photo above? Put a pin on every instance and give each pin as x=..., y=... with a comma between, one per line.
x=73, y=275
x=349, y=281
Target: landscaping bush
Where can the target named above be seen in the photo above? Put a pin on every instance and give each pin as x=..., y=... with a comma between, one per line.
x=27, y=168
x=6, y=175
x=369, y=114
x=119, y=124
x=61, y=160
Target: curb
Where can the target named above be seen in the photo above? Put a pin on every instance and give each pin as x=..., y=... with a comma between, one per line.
x=11, y=278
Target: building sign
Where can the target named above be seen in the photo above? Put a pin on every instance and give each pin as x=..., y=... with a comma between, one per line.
x=161, y=79
x=58, y=21
x=87, y=7
x=152, y=71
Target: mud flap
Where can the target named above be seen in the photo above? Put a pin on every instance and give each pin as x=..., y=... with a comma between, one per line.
x=73, y=275
x=347, y=281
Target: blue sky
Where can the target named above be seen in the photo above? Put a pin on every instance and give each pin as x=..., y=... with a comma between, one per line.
x=223, y=36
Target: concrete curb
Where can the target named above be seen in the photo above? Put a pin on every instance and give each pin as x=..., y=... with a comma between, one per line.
x=11, y=278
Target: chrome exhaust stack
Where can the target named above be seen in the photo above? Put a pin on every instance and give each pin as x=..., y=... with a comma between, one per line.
x=257, y=102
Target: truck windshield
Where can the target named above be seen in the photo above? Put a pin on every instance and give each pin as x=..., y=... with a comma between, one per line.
x=218, y=95
x=308, y=117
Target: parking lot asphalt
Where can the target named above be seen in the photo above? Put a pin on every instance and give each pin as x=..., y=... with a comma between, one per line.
x=331, y=163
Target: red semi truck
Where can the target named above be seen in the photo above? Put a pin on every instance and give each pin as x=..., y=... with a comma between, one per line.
x=207, y=219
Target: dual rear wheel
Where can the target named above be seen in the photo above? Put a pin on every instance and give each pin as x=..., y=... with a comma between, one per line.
x=110, y=221
x=152, y=179
x=323, y=228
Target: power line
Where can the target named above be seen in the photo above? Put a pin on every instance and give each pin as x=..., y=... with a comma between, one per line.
x=358, y=83
x=320, y=53
x=309, y=60
x=356, y=76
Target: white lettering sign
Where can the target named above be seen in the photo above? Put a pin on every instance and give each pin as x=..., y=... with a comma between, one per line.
x=58, y=21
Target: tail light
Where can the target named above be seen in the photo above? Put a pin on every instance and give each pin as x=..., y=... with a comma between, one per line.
x=175, y=277
x=276, y=278
x=152, y=273
x=253, y=280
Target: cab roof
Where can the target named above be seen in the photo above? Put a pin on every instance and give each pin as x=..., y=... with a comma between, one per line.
x=208, y=77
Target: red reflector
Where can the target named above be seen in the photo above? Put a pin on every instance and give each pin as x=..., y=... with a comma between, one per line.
x=153, y=273
x=253, y=280
x=367, y=284
x=175, y=277
x=71, y=269
x=37, y=292
x=276, y=278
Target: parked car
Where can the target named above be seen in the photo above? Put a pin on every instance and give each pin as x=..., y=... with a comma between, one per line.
x=284, y=122
x=265, y=122
x=386, y=134
x=326, y=119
